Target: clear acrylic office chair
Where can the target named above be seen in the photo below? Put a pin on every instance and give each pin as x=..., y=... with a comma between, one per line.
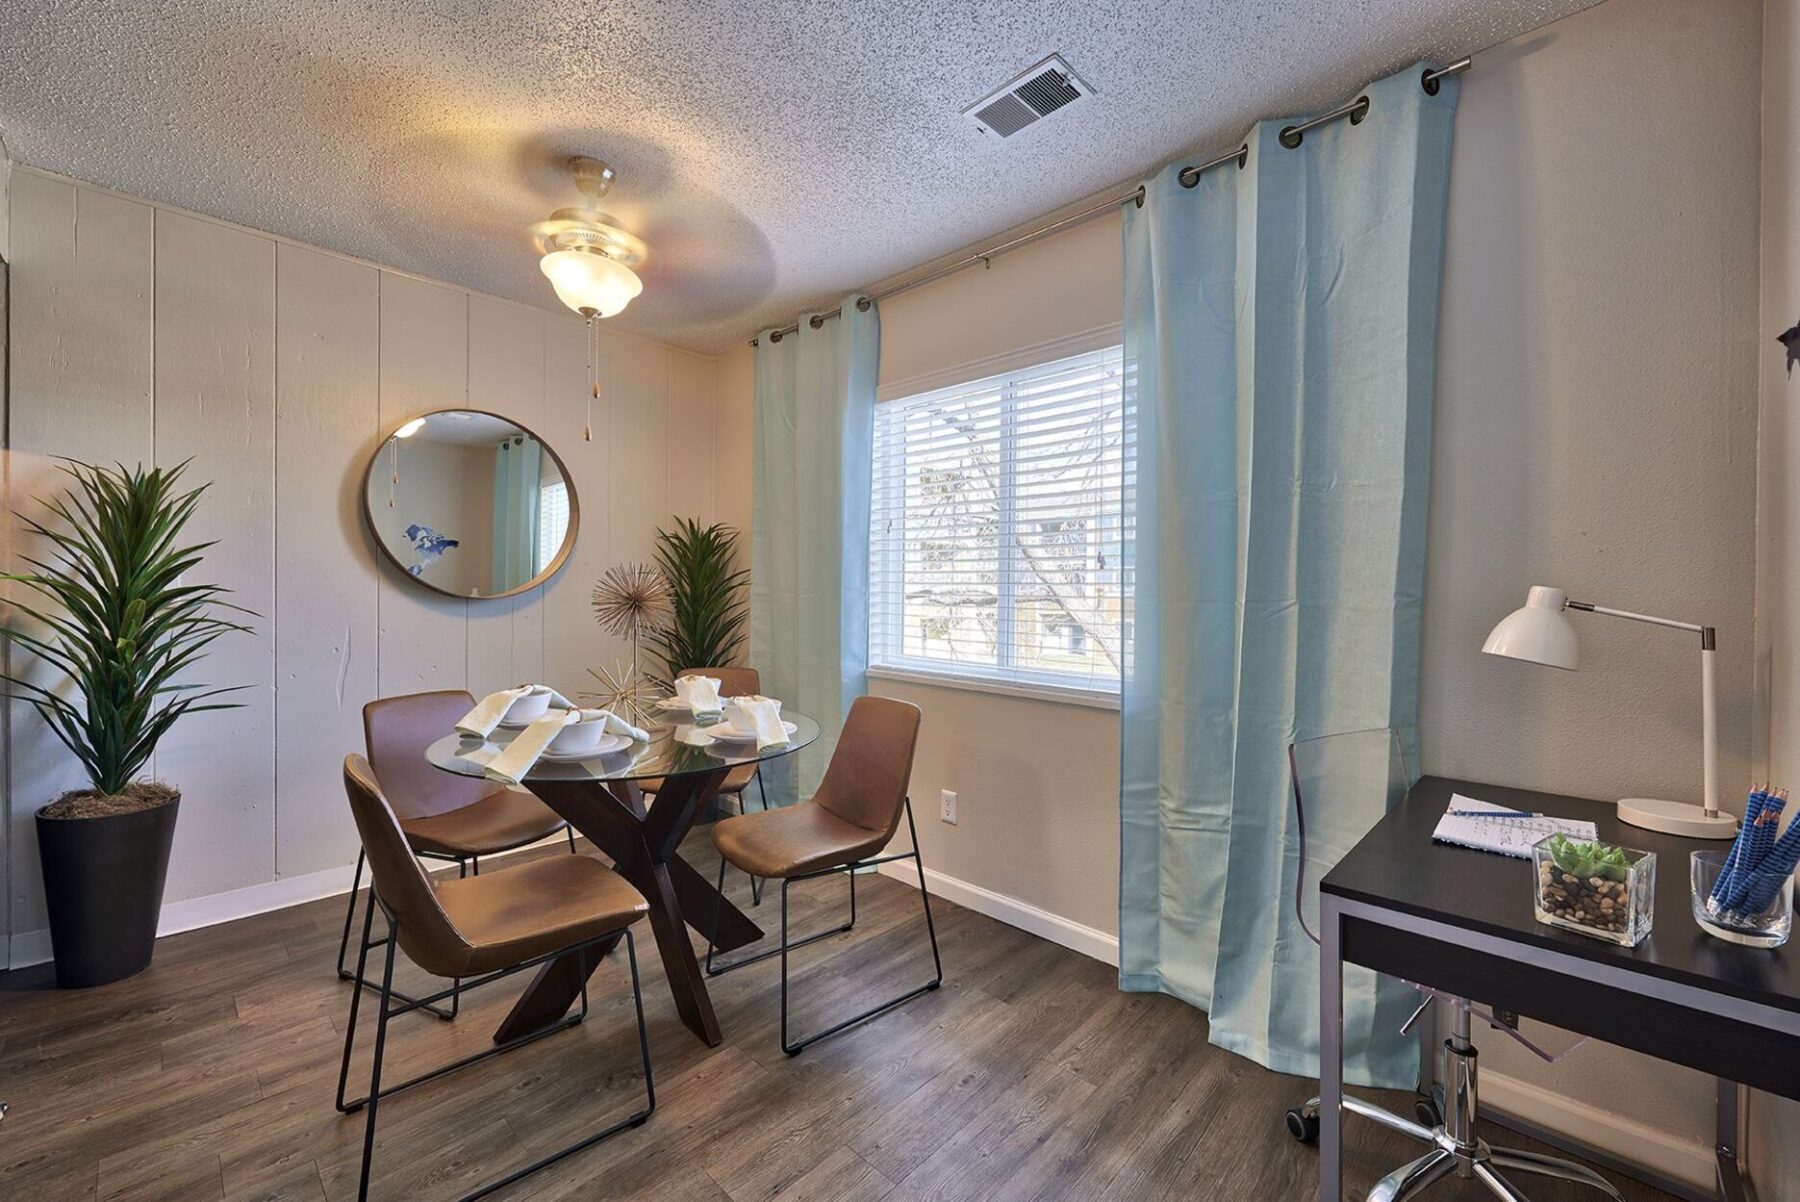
x=1326, y=773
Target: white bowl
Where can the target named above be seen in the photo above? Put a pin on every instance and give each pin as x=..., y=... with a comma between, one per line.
x=530, y=707
x=579, y=737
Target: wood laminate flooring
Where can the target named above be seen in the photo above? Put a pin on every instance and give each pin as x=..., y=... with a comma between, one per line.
x=1027, y=1076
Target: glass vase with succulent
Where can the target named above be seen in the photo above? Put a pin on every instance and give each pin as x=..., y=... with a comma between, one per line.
x=1596, y=888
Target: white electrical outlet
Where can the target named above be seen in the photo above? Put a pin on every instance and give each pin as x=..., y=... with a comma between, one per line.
x=948, y=803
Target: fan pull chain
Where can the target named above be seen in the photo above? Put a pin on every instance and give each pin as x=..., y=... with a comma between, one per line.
x=593, y=349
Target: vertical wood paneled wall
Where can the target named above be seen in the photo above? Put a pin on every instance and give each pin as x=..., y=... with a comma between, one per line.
x=146, y=334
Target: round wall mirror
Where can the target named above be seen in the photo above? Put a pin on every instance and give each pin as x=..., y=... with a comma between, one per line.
x=470, y=504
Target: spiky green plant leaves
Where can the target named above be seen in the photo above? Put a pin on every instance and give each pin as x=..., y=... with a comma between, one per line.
x=706, y=628
x=117, y=624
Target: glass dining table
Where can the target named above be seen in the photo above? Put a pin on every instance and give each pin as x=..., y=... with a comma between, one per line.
x=607, y=797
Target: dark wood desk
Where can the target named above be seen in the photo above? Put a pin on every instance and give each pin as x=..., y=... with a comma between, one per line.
x=1461, y=921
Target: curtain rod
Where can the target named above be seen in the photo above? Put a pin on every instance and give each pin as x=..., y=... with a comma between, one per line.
x=1291, y=137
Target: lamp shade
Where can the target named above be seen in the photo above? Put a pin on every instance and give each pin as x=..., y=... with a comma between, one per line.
x=1538, y=631
x=586, y=280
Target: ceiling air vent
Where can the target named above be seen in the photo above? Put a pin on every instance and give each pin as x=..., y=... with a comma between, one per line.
x=1028, y=99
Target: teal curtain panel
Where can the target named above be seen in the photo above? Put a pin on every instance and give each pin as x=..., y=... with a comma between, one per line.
x=809, y=532
x=518, y=463
x=1280, y=344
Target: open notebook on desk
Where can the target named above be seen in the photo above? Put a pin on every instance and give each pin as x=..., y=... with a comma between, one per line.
x=1485, y=826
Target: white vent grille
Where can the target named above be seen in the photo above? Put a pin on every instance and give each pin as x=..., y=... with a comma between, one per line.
x=1034, y=95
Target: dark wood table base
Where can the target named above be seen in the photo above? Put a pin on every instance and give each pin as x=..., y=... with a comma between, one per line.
x=642, y=844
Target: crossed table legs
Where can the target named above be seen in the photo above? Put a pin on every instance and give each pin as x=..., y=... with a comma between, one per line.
x=643, y=846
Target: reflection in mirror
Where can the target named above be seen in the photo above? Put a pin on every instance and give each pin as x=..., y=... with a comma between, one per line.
x=470, y=504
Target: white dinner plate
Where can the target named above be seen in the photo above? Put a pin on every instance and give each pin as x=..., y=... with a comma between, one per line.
x=608, y=744
x=725, y=732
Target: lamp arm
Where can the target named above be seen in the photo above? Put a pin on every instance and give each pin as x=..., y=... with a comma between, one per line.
x=1590, y=607
x=1709, y=694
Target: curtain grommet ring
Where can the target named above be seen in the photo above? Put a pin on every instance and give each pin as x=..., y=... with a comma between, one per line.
x=1429, y=81
x=775, y=337
x=863, y=304
x=1243, y=156
x=816, y=322
x=1361, y=111
x=1290, y=137
x=1188, y=177
x=1137, y=198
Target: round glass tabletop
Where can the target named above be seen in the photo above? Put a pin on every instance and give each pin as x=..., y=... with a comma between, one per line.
x=675, y=748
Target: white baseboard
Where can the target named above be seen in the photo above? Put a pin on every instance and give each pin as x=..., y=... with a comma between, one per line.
x=1089, y=941
x=1654, y=1148
x=33, y=947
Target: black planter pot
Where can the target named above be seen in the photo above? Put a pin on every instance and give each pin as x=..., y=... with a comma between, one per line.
x=103, y=882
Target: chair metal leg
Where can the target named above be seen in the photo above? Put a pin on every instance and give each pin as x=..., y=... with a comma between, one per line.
x=349, y=914
x=370, y=1102
x=795, y=1047
x=1498, y=1185
x=756, y=957
x=345, y=974
x=381, y=1022
x=1409, y=1180
x=1551, y=1166
x=571, y=831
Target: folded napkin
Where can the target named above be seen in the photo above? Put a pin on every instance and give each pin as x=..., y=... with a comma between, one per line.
x=616, y=725
x=700, y=694
x=519, y=756
x=490, y=711
x=763, y=714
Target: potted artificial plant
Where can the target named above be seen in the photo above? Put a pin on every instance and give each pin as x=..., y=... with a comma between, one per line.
x=705, y=628
x=114, y=621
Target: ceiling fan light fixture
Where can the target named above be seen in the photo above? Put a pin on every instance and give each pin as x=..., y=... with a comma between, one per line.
x=587, y=258
x=591, y=283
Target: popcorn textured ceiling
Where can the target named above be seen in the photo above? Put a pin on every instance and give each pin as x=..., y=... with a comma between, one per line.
x=774, y=155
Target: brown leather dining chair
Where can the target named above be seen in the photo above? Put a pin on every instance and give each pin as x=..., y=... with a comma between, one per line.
x=457, y=819
x=483, y=929
x=733, y=682
x=841, y=828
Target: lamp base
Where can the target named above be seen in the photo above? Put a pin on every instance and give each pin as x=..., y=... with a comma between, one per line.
x=1677, y=818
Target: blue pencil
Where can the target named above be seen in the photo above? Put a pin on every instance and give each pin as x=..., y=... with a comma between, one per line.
x=1762, y=845
x=1753, y=805
x=1772, y=872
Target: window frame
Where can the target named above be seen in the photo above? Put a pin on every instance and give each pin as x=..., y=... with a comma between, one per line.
x=886, y=571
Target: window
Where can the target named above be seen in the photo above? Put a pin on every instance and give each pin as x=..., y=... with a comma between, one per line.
x=553, y=521
x=996, y=530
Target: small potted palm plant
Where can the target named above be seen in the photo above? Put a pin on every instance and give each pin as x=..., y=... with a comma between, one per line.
x=119, y=633
x=705, y=628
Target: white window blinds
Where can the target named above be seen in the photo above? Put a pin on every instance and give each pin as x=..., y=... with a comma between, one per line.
x=553, y=521
x=997, y=526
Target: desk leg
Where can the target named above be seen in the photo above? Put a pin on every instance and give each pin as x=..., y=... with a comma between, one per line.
x=1331, y=1051
x=1734, y=1184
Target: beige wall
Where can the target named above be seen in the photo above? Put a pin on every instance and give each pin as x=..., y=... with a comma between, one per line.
x=1775, y=1123
x=1596, y=429
x=143, y=333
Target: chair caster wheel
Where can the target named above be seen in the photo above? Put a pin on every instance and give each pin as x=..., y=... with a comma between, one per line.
x=1303, y=1124
x=1427, y=1114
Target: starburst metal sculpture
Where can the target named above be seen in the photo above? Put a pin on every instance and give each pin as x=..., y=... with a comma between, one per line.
x=630, y=600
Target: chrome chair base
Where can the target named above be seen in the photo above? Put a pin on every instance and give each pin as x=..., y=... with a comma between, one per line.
x=1456, y=1146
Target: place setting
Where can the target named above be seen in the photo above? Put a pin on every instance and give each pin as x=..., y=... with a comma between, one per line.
x=542, y=725
x=736, y=722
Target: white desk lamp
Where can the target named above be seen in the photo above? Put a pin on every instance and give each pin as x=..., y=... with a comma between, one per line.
x=1541, y=633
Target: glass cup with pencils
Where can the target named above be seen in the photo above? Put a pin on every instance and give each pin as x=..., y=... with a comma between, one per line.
x=1746, y=894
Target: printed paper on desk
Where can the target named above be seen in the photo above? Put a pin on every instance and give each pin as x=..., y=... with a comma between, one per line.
x=1480, y=825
